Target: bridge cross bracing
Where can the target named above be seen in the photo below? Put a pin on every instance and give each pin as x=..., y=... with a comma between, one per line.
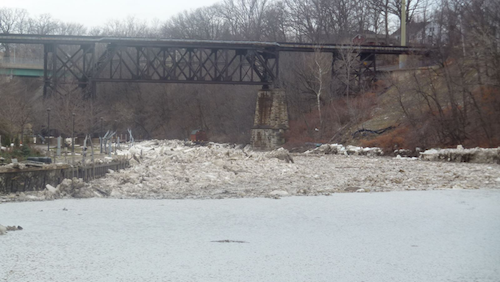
x=83, y=61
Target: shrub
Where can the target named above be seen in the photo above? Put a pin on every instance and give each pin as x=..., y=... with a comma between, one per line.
x=25, y=151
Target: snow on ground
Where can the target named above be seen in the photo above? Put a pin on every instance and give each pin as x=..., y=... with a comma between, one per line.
x=169, y=169
x=451, y=235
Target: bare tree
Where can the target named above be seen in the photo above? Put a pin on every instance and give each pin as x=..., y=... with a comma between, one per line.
x=12, y=21
x=43, y=24
x=71, y=29
x=306, y=21
x=380, y=10
x=245, y=18
x=129, y=27
x=17, y=95
x=277, y=23
x=203, y=23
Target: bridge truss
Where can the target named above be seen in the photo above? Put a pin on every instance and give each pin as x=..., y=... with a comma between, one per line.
x=83, y=61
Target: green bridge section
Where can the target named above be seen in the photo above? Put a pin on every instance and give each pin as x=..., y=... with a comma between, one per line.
x=21, y=67
x=21, y=72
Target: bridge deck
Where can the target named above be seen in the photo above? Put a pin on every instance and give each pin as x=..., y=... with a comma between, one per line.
x=218, y=44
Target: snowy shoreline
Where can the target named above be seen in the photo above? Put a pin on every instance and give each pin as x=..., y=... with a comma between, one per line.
x=170, y=169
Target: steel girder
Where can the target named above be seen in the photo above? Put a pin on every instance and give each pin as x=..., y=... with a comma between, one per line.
x=187, y=65
x=77, y=65
x=67, y=65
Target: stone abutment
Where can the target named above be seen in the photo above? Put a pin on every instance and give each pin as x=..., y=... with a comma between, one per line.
x=271, y=120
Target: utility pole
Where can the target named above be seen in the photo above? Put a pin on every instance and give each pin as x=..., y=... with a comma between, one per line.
x=402, y=58
x=48, y=132
x=100, y=137
x=73, y=140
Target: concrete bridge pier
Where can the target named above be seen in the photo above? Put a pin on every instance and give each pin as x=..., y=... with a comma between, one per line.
x=271, y=119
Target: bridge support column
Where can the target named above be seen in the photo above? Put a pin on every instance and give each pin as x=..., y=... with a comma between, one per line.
x=271, y=120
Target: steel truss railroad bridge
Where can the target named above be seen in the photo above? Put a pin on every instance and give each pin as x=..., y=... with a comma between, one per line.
x=87, y=60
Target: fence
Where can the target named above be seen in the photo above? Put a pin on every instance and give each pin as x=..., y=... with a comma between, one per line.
x=36, y=179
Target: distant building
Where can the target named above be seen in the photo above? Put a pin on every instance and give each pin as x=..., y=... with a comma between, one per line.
x=421, y=33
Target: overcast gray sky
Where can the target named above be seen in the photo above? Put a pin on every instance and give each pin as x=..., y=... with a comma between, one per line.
x=97, y=12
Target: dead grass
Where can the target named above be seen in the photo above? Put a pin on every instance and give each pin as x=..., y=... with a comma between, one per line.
x=336, y=116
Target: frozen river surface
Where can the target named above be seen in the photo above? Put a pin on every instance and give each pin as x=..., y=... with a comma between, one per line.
x=451, y=235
